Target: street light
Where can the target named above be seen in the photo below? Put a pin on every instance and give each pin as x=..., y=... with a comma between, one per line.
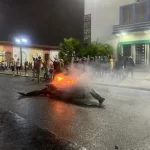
x=21, y=41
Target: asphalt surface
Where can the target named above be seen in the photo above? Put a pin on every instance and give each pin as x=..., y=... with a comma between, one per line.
x=18, y=134
x=122, y=123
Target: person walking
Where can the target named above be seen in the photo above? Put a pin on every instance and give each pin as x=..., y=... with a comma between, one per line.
x=13, y=66
x=18, y=66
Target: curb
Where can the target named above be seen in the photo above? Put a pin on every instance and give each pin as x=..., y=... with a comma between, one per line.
x=19, y=75
x=125, y=87
x=15, y=75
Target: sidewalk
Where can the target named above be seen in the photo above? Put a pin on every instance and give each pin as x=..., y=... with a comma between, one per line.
x=29, y=73
x=141, y=81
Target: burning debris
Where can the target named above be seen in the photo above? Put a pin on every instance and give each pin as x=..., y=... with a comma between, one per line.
x=66, y=87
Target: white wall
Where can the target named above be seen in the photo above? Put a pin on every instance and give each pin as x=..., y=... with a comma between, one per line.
x=105, y=14
x=16, y=53
x=25, y=55
x=54, y=54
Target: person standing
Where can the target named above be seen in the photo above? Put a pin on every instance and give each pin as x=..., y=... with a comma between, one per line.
x=129, y=66
x=34, y=67
x=26, y=66
x=39, y=63
x=62, y=65
x=13, y=66
x=47, y=69
x=3, y=65
x=120, y=66
x=57, y=68
x=18, y=66
x=111, y=63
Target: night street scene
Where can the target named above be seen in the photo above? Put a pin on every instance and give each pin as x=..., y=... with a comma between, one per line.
x=74, y=75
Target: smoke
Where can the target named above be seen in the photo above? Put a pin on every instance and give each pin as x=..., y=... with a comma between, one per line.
x=80, y=76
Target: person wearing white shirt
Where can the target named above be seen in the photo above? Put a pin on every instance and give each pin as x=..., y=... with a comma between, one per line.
x=18, y=66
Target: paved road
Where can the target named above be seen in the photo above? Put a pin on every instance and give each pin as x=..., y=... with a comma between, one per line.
x=123, y=122
x=18, y=134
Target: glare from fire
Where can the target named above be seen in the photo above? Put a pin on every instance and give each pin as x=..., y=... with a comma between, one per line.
x=63, y=81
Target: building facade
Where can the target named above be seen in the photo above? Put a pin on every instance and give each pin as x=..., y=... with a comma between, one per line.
x=123, y=24
x=9, y=51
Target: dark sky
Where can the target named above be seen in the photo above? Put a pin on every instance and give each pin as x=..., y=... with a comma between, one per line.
x=41, y=21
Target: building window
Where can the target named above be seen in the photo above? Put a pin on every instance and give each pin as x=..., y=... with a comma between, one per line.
x=127, y=15
x=140, y=11
x=140, y=54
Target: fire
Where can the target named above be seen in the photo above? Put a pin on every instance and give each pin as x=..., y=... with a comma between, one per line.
x=59, y=79
x=63, y=81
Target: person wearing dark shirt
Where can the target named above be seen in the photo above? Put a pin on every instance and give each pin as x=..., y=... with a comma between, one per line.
x=57, y=67
x=34, y=67
x=119, y=66
x=39, y=63
x=129, y=66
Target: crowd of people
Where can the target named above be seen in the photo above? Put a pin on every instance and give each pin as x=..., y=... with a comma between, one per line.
x=104, y=66
x=36, y=66
x=51, y=68
x=3, y=66
x=101, y=66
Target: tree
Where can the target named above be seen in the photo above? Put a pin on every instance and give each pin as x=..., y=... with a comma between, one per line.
x=68, y=47
x=71, y=45
x=97, y=49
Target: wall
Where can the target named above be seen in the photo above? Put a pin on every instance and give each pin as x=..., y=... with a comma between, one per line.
x=1, y=50
x=7, y=49
x=104, y=14
x=54, y=54
x=27, y=53
x=35, y=52
x=134, y=37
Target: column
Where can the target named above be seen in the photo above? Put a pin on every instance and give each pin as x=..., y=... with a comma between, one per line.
x=121, y=16
x=147, y=3
x=133, y=13
x=133, y=53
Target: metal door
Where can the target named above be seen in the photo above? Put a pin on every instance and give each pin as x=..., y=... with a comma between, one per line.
x=140, y=54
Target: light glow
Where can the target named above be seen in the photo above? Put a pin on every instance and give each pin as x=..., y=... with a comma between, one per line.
x=18, y=40
x=24, y=40
x=124, y=33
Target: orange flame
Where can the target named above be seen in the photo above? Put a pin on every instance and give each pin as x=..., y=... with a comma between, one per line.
x=63, y=81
